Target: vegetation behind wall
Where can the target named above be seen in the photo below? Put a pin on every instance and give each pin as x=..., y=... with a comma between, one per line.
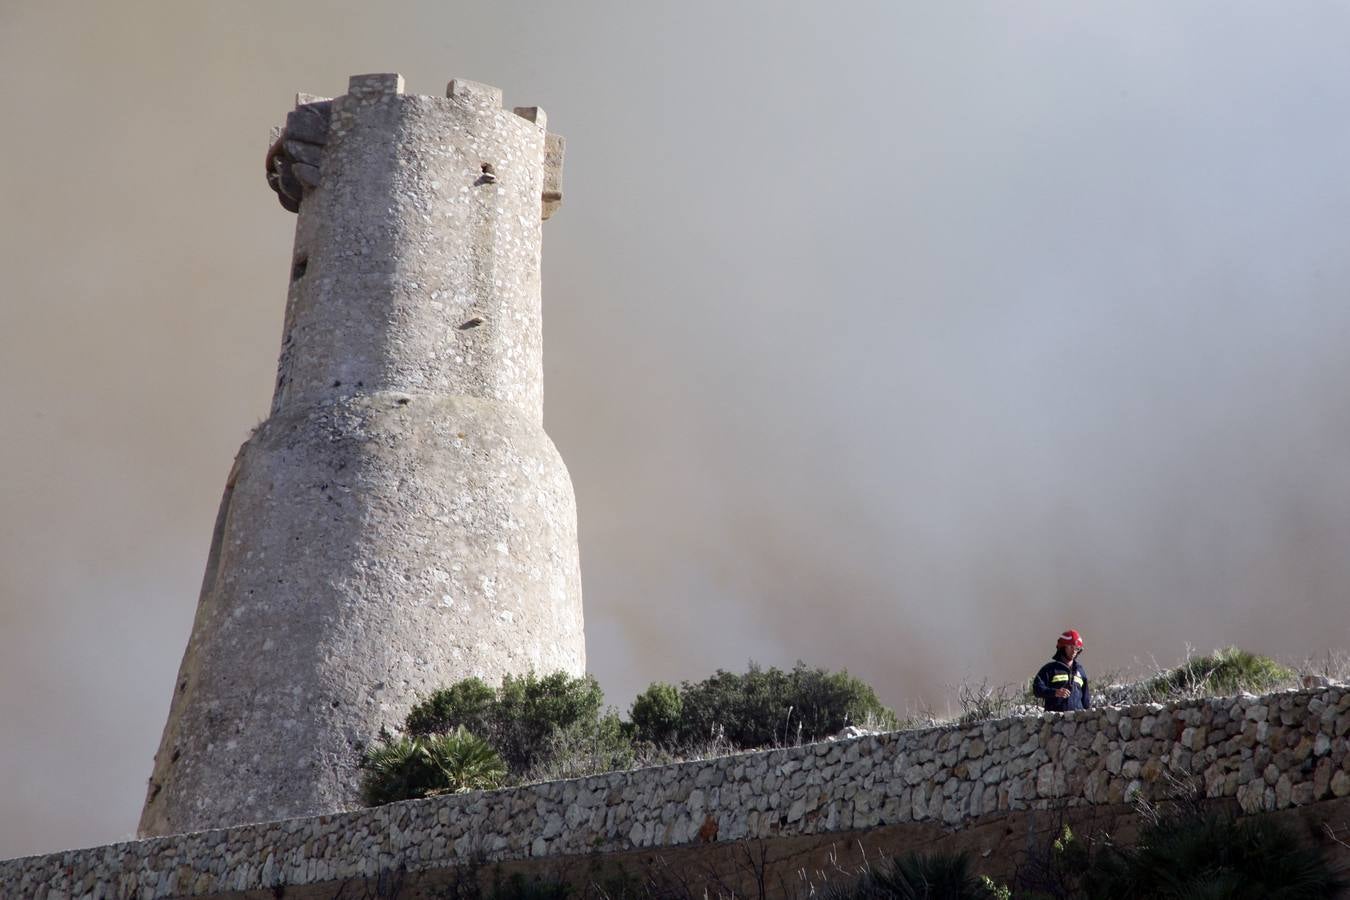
x=557, y=726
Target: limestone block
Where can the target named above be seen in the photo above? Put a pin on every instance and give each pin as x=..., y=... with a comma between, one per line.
x=375, y=86
x=1284, y=789
x=1115, y=761
x=474, y=93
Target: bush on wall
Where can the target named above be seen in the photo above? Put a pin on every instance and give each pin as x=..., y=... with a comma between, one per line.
x=762, y=708
x=418, y=766
x=1222, y=673
x=656, y=714
x=532, y=721
x=556, y=726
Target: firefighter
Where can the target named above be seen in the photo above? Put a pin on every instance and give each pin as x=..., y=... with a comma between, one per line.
x=1061, y=682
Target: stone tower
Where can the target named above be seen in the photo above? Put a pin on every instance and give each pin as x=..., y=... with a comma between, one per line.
x=400, y=520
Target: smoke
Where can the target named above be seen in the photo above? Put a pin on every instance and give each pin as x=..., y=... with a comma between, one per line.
x=895, y=338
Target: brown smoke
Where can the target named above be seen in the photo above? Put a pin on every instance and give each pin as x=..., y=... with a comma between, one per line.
x=895, y=339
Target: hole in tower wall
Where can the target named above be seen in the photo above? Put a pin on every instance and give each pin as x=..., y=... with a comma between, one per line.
x=299, y=266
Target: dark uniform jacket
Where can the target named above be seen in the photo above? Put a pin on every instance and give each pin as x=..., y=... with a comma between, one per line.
x=1057, y=674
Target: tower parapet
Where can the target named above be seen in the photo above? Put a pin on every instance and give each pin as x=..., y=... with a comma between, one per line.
x=401, y=520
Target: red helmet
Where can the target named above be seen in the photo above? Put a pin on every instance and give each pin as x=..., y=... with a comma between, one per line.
x=1070, y=638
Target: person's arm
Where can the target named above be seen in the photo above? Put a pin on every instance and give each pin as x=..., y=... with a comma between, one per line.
x=1087, y=699
x=1040, y=685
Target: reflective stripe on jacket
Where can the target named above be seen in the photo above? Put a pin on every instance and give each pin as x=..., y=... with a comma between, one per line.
x=1057, y=674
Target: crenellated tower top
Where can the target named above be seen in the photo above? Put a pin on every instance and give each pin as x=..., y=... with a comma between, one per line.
x=292, y=166
x=426, y=207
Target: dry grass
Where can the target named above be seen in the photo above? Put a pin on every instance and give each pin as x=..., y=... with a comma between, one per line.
x=1225, y=672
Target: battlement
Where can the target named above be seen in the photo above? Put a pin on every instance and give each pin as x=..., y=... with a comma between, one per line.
x=472, y=93
x=441, y=183
x=294, y=150
x=379, y=84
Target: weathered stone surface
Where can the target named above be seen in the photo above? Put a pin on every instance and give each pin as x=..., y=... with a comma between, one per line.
x=860, y=783
x=401, y=520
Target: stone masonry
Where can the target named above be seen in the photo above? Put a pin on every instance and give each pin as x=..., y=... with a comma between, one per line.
x=401, y=520
x=1263, y=753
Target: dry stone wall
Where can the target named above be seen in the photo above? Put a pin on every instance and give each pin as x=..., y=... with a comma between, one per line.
x=1267, y=753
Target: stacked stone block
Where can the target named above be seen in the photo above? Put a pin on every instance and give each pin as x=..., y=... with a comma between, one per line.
x=1268, y=753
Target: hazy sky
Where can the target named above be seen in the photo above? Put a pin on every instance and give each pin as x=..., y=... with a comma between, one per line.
x=895, y=337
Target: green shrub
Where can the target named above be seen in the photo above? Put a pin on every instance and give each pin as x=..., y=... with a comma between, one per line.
x=1196, y=856
x=529, y=720
x=1054, y=871
x=919, y=876
x=656, y=714
x=517, y=887
x=767, y=707
x=531, y=711
x=555, y=726
x=1227, y=671
x=469, y=703
x=587, y=748
x=418, y=766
